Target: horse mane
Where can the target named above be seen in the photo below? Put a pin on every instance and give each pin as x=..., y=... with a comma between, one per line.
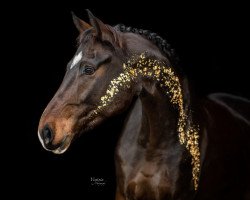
x=167, y=50
x=161, y=43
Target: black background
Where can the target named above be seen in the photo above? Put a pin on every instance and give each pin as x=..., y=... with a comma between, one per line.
x=213, y=47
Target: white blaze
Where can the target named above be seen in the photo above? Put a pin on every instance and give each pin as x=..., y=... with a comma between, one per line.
x=76, y=59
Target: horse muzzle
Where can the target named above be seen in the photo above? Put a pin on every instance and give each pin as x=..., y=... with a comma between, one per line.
x=47, y=136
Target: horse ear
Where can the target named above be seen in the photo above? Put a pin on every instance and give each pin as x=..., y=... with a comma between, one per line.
x=102, y=31
x=80, y=24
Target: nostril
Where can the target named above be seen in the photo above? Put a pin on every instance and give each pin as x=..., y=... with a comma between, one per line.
x=47, y=135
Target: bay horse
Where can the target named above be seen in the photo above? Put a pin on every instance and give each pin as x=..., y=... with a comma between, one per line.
x=172, y=145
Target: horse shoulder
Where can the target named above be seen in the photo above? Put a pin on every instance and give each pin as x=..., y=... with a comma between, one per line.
x=236, y=106
x=228, y=119
x=227, y=124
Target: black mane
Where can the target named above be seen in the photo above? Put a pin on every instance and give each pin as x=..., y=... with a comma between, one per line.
x=161, y=43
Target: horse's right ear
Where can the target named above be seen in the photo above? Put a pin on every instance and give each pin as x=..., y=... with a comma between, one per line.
x=80, y=24
x=102, y=31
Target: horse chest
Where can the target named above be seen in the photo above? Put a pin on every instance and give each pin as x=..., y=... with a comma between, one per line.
x=142, y=179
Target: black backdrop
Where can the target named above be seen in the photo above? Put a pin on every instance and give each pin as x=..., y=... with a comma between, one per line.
x=212, y=44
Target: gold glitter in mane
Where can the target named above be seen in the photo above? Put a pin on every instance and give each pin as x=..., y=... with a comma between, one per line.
x=140, y=65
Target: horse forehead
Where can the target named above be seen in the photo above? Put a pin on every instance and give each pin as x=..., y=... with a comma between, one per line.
x=76, y=59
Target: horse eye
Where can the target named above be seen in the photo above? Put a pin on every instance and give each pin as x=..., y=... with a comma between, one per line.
x=88, y=70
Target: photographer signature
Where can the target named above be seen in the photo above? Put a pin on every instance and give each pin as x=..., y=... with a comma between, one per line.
x=97, y=181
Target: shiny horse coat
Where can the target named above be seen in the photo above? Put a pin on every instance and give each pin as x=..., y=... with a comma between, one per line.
x=172, y=145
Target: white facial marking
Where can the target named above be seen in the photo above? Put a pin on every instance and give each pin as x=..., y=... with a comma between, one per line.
x=76, y=59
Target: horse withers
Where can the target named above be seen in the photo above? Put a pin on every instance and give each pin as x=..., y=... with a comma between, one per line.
x=172, y=145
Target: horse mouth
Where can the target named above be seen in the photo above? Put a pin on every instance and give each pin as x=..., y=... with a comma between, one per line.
x=64, y=145
x=60, y=148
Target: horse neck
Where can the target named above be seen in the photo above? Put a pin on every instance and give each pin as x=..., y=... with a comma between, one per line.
x=160, y=118
x=151, y=132
x=165, y=94
x=166, y=127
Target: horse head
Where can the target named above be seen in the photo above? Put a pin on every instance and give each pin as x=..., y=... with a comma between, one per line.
x=161, y=147
x=98, y=61
x=113, y=67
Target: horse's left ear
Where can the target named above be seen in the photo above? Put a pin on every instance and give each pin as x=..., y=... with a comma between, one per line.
x=102, y=30
x=80, y=24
